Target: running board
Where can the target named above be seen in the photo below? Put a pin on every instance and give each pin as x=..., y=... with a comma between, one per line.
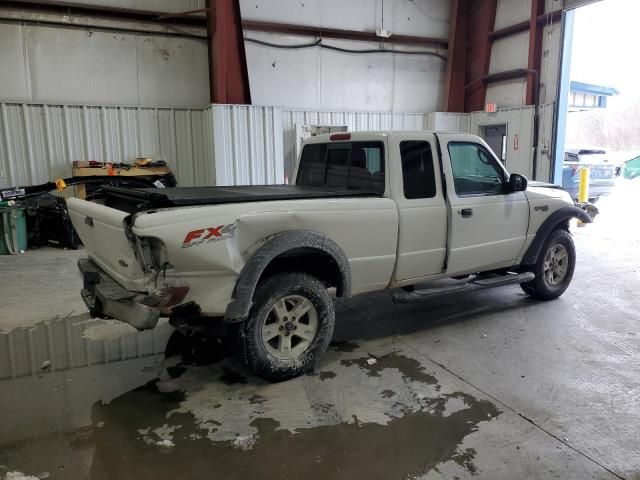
x=469, y=286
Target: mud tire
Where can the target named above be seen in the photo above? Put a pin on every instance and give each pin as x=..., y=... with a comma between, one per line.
x=255, y=353
x=540, y=288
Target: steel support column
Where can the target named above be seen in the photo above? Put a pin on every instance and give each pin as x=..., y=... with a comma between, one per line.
x=228, y=77
x=455, y=78
x=536, y=30
x=481, y=21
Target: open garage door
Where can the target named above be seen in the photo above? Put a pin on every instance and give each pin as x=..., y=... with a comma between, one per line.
x=571, y=4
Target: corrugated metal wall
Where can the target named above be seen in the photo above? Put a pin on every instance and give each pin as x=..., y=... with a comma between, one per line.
x=61, y=341
x=39, y=142
x=354, y=120
x=222, y=144
x=247, y=144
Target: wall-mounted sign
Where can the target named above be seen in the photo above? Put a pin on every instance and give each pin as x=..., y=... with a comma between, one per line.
x=491, y=108
x=516, y=142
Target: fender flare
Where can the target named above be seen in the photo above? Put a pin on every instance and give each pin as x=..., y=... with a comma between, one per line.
x=238, y=309
x=564, y=214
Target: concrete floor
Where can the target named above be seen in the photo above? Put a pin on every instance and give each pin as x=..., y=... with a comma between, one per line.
x=485, y=385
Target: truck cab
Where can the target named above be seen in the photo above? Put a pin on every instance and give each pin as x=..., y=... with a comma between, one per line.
x=457, y=210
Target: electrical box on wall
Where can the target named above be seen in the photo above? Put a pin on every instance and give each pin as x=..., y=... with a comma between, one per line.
x=305, y=131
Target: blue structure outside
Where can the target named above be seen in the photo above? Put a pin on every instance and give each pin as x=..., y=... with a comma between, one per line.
x=593, y=89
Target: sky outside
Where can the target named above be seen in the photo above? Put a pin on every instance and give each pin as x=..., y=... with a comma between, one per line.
x=605, y=46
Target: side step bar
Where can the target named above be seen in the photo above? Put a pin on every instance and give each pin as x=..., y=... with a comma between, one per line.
x=469, y=286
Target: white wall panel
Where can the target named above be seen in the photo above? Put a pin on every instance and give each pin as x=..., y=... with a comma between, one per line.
x=509, y=94
x=247, y=144
x=401, y=17
x=172, y=71
x=315, y=78
x=449, y=122
x=81, y=66
x=510, y=53
x=349, y=80
x=511, y=12
x=13, y=74
x=418, y=85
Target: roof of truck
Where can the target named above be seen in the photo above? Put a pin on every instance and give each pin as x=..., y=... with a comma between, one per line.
x=377, y=133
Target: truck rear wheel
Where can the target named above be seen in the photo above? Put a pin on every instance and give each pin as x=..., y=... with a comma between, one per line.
x=289, y=327
x=554, y=267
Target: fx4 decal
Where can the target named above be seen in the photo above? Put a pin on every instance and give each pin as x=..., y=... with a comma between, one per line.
x=209, y=235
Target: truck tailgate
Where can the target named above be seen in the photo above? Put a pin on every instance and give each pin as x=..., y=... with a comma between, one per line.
x=102, y=232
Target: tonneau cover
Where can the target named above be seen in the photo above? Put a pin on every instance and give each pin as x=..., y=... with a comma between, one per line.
x=149, y=198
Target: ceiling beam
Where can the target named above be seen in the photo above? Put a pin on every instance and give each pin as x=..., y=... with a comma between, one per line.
x=339, y=33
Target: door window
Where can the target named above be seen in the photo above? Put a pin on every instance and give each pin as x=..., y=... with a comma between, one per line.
x=418, y=174
x=475, y=170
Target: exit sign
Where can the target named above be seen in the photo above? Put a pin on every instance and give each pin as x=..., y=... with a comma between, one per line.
x=491, y=108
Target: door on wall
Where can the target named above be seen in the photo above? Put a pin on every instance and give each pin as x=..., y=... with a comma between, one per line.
x=496, y=137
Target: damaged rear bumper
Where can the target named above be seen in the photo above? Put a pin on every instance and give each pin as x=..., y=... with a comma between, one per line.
x=104, y=297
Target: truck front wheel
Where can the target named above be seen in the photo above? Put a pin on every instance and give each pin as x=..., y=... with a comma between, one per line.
x=289, y=327
x=554, y=267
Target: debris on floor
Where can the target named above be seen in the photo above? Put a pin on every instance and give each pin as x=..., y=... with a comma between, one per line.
x=19, y=476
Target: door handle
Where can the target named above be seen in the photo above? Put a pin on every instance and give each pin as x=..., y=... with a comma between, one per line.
x=466, y=212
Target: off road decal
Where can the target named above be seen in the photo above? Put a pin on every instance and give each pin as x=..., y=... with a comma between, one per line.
x=208, y=235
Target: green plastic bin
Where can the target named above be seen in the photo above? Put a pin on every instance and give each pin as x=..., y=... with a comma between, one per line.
x=13, y=230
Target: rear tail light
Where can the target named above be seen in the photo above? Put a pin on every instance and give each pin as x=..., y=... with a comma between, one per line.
x=340, y=136
x=167, y=297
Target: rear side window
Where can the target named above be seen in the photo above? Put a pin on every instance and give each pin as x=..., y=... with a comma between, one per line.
x=349, y=165
x=418, y=174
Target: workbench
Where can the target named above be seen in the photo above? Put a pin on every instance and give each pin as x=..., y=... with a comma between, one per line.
x=133, y=171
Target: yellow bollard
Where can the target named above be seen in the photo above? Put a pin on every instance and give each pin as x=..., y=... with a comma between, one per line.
x=583, y=189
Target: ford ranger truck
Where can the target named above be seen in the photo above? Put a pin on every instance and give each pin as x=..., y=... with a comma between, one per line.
x=368, y=211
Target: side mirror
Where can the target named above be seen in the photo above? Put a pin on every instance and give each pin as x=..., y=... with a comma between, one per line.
x=517, y=182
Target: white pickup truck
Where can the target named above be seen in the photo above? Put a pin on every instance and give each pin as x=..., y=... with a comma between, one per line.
x=368, y=211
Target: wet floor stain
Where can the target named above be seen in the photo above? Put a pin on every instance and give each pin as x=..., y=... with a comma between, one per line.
x=464, y=459
x=410, y=368
x=344, y=346
x=231, y=377
x=220, y=421
x=388, y=393
x=242, y=427
x=257, y=399
x=406, y=447
x=326, y=375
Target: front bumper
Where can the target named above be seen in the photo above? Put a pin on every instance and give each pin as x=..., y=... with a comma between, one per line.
x=104, y=297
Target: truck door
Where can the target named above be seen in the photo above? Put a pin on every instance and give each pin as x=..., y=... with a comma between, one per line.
x=488, y=224
x=422, y=212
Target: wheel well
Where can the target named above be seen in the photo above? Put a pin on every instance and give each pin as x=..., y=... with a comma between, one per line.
x=307, y=260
